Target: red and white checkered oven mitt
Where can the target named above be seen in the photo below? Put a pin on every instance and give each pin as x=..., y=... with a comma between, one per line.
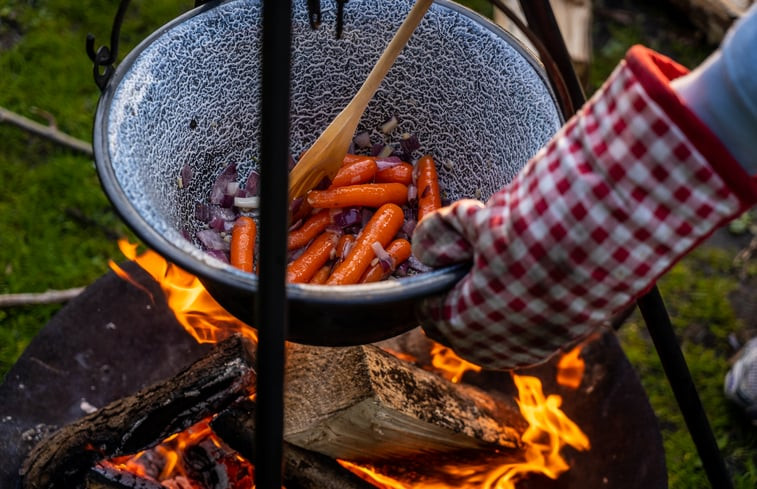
x=627, y=187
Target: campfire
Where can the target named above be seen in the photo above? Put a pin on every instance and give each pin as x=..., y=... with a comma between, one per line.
x=403, y=413
x=422, y=427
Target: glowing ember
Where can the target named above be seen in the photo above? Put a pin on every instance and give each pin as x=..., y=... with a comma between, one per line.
x=570, y=368
x=193, y=306
x=171, y=454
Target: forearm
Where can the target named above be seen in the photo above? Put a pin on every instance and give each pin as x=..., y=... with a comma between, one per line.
x=625, y=189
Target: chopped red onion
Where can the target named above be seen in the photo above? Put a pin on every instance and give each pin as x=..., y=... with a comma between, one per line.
x=347, y=247
x=409, y=226
x=212, y=240
x=251, y=184
x=219, y=255
x=362, y=140
x=367, y=214
x=218, y=191
x=385, y=152
x=347, y=217
x=296, y=225
x=408, y=144
x=417, y=265
x=412, y=194
x=217, y=224
x=185, y=176
x=247, y=202
x=294, y=254
x=377, y=148
x=388, y=162
x=384, y=258
x=295, y=205
x=390, y=125
x=227, y=201
x=402, y=269
x=206, y=213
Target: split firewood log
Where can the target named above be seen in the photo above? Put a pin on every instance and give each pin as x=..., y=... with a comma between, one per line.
x=361, y=403
x=142, y=420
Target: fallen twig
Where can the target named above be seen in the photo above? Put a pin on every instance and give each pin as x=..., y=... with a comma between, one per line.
x=50, y=132
x=33, y=298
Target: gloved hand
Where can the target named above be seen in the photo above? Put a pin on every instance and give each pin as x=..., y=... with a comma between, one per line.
x=722, y=91
x=626, y=188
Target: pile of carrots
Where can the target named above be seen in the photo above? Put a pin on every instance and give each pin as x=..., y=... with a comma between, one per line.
x=324, y=252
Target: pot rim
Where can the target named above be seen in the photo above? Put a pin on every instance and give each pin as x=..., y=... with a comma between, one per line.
x=417, y=286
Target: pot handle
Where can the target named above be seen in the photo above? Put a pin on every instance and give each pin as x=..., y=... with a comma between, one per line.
x=105, y=57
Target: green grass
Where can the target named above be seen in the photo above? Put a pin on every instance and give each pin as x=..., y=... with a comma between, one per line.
x=696, y=292
x=43, y=187
x=55, y=220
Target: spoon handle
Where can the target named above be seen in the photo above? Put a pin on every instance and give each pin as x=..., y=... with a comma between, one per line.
x=392, y=50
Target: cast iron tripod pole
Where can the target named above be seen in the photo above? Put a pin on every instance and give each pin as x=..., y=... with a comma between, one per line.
x=271, y=314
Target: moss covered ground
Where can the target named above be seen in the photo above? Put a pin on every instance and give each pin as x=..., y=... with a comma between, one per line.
x=57, y=227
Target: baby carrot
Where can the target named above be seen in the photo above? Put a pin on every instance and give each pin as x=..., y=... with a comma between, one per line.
x=429, y=197
x=311, y=228
x=360, y=171
x=367, y=194
x=243, y=243
x=302, y=269
x=400, y=173
x=399, y=250
x=321, y=275
x=382, y=227
x=350, y=158
x=343, y=246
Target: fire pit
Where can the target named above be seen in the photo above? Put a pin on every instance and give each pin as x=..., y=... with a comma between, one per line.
x=98, y=350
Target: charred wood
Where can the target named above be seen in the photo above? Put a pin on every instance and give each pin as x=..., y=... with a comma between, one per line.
x=363, y=404
x=216, y=466
x=105, y=476
x=303, y=469
x=134, y=423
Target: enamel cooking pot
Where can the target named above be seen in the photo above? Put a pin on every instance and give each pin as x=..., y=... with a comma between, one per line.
x=187, y=97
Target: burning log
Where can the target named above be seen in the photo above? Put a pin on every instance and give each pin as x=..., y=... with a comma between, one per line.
x=108, y=477
x=361, y=403
x=134, y=423
x=303, y=469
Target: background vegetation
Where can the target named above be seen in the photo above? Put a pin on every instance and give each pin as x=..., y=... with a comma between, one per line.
x=57, y=228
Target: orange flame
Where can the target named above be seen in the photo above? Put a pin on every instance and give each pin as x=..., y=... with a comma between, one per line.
x=570, y=368
x=193, y=306
x=449, y=365
x=549, y=430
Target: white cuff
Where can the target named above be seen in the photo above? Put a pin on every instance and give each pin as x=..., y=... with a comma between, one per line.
x=722, y=91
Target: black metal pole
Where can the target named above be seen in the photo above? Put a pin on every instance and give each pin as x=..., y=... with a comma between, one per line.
x=541, y=20
x=673, y=362
x=271, y=314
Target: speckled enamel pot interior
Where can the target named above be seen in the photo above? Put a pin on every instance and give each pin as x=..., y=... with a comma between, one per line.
x=188, y=95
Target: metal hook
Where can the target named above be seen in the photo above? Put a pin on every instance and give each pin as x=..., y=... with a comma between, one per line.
x=314, y=13
x=105, y=57
x=340, y=17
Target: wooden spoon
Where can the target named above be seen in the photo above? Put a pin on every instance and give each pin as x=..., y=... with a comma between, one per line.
x=325, y=156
